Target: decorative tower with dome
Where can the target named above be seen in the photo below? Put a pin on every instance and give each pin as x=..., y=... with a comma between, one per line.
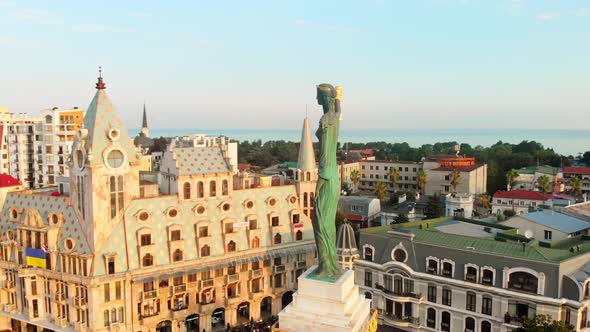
x=346, y=246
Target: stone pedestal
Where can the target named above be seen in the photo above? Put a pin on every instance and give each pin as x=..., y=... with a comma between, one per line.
x=326, y=306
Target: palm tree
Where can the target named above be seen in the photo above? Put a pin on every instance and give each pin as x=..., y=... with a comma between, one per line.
x=544, y=183
x=455, y=179
x=393, y=176
x=576, y=185
x=421, y=179
x=380, y=190
x=355, y=177
x=512, y=178
x=485, y=201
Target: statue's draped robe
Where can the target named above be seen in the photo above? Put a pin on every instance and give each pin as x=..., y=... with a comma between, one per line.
x=327, y=192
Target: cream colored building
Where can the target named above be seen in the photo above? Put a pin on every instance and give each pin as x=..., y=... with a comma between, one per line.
x=115, y=255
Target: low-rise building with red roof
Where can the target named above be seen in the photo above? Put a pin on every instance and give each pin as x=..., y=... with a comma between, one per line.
x=582, y=172
x=521, y=201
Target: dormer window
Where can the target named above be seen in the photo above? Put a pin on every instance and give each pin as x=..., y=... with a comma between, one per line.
x=487, y=276
x=368, y=254
x=448, y=268
x=471, y=273
x=432, y=265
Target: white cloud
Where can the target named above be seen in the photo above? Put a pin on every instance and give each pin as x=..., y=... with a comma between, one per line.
x=7, y=40
x=141, y=14
x=93, y=28
x=37, y=16
x=7, y=4
x=300, y=22
x=513, y=7
x=582, y=12
x=30, y=15
x=548, y=16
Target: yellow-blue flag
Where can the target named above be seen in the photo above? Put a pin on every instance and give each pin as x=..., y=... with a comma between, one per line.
x=36, y=257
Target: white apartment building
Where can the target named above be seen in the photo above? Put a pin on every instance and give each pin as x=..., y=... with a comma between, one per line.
x=34, y=150
x=520, y=201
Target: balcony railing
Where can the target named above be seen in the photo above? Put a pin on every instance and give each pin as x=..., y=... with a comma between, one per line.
x=58, y=296
x=79, y=301
x=404, y=319
x=231, y=278
x=149, y=294
x=398, y=292
x=279, y=268
x=178, y=289
x=301, y=265
x=256, y=273
x=207, y=283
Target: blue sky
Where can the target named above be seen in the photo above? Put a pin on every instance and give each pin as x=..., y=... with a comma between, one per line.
x=255, y=64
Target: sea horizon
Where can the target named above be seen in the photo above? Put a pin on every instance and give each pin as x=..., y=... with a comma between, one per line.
x=563, y=141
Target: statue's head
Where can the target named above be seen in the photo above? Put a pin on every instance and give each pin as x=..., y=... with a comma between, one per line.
x=326, y=94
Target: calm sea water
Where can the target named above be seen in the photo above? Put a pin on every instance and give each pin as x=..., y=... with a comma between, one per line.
x=567, y=142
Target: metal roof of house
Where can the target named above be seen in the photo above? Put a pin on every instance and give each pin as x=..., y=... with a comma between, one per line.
x=558, y=221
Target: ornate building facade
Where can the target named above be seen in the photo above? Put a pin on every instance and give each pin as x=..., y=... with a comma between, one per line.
x=117, y=255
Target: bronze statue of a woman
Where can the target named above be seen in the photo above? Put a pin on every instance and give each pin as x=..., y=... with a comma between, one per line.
x=327, y=191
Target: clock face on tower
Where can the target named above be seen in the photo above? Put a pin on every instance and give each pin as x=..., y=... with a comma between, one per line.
x=115, y=158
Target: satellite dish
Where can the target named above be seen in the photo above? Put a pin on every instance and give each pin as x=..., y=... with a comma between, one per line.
x=528, y=234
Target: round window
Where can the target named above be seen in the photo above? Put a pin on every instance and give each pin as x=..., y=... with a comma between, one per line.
x=293, y=200
x=400, y=255
x=10, y=235
x=272, y=202
x=249, y=204
x=54, y=219
x=113, y=134
x=172, y=213
x=69, y=244
x=143, y=216
x=115, y=158
x=226, y=207
x=80, y=159
x=200, y=209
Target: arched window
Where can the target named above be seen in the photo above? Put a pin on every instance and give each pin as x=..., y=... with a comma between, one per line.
x=471, y=274
x=486, y=326
x=431, y=318
x=186, y=189
x=147, y=260
x=106, y=318
x=305, y=200
x=224, y=188
x=469, y=324
x=299, y=236
x=368, y=255
x=308, y=176
x=447, y=269
x=523, y=281
x=278, y=238
x=445, y=321
x=177, y=255
x=116, y=191
x=255, y=242
x=113, y=315
x=205, y=251
x=121, y=314
x=587, y=289
x=487, y=277
x=200, y=190
x=432, y=267
x=231, y=246
x=212, y=188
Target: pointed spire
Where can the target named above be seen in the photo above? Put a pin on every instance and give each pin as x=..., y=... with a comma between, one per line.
x=144, y=122
x=306, y=160
x=100, y=84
